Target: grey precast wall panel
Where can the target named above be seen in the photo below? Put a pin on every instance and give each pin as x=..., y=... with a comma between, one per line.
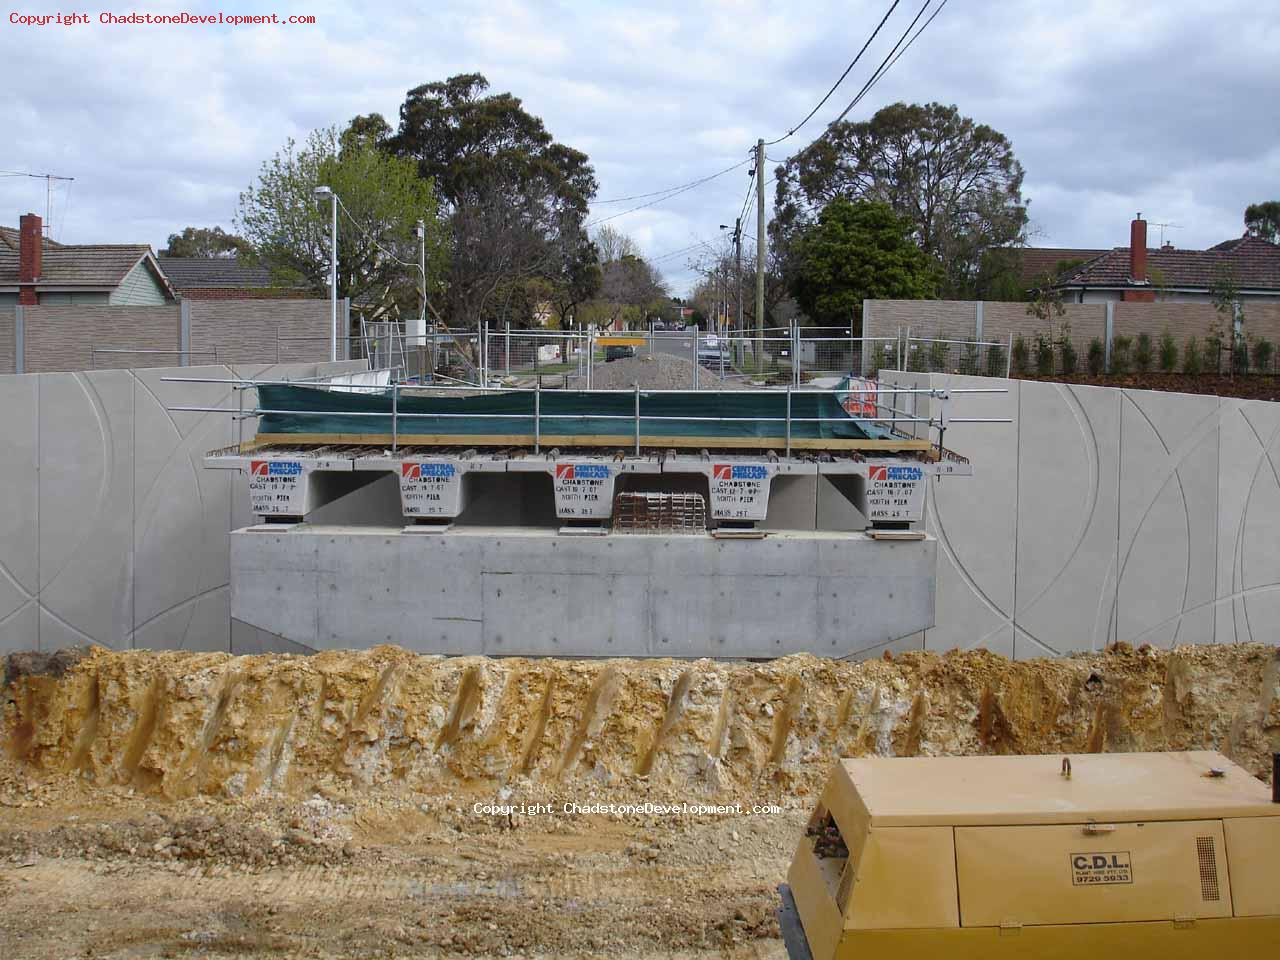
x=1067, y=485
x=1247, y=604
x=111, y=529
x=19, y=513
x=86, y=508
x=1107, y=514
x=181, y=596
x=1168, y=501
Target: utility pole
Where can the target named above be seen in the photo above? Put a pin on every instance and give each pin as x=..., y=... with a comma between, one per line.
x=737, y=257
x=759, y=252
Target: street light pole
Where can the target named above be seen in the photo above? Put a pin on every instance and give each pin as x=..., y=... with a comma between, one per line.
x=321, y=194
x=723, y=269
x=422, y=270
x=420, y=331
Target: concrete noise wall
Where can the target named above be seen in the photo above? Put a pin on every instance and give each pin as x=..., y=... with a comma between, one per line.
x=8, y=339
x=111, y=530
x=1105, y=514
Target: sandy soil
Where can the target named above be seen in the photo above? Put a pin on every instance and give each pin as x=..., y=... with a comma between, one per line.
x=120, y=877
x=173, y=804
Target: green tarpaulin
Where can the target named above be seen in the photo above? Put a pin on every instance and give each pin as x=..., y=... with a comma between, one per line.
x=746, y=414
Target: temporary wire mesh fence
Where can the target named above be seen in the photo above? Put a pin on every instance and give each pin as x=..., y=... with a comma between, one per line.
x=973, y=358
x=570, y=358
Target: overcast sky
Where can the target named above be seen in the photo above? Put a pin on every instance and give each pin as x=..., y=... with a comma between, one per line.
x=1113, y=106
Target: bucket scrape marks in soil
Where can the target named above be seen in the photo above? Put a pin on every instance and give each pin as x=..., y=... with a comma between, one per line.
x=182, y=725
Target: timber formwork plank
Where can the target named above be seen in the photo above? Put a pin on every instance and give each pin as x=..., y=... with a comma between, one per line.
x=588, y=440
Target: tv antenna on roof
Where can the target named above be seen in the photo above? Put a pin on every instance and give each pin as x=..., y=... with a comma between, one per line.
x=48, y=179
x=1162, y=226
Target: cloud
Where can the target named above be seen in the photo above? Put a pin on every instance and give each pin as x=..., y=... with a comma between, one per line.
x=1113, y=106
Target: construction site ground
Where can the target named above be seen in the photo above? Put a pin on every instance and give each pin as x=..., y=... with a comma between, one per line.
x=380, y=804
x=387, y=876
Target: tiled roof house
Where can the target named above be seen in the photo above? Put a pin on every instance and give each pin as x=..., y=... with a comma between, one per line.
x=35, y=270
x=1137, y=273
x=223, y=278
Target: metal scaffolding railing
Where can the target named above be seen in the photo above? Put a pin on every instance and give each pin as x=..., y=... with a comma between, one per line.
x=887, y=415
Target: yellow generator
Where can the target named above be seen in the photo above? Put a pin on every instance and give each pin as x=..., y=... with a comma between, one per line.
x=1122, y=856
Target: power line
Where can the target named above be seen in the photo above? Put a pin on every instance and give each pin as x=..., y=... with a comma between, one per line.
x=852, y=64
x=368, y=236
x=674, y=253
x=886, y=63
x=918, y=32
x=645, y=196
x=668, y=195
x=747, y=199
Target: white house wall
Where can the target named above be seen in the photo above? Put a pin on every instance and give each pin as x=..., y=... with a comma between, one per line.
x=1105, y=514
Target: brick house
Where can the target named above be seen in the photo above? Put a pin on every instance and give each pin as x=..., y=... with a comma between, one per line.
x=224, y=278
x=1138, y=274
x=35, y=270
x=1033, y=264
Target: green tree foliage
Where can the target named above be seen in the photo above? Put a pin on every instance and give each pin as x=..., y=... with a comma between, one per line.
x=377, y=248
x=856, y=251
x=576, y=277
x=999, y=276
x=515, y=199
x=1262, y=220
x=1168, y=352
x=205, y=242
x=956, y=182
x=630, y=290
x=1045, y=302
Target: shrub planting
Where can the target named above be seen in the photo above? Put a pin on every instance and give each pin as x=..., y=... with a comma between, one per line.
x=1168, y=352
x=1143, y=353
x=1096, y=359
x=1020, y=357
x=1192, y=359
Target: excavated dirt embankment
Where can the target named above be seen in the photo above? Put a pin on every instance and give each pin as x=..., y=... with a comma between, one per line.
x=179, y=725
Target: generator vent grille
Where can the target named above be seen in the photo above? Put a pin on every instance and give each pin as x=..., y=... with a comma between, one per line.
x=1208, y=869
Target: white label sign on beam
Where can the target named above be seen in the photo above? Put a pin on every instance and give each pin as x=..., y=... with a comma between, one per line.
x=740, y=491
x=278, y=488
x=584, y=490
x=430, y=488
x=894, y=493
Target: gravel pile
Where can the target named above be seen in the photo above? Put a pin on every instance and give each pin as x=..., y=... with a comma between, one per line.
x=662, y=371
